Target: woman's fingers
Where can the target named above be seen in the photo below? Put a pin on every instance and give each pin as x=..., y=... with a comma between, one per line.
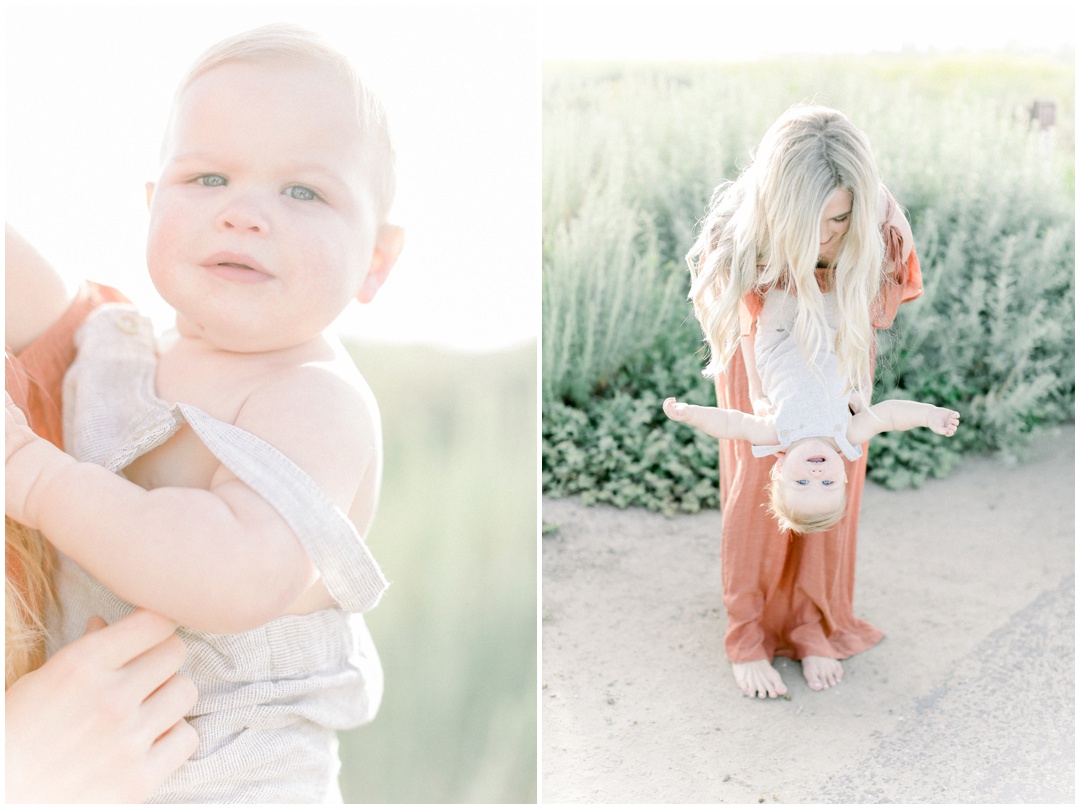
x=118, y=644
x=169, y=703
x=102, y=720
x=171, y=749
x=155, y=666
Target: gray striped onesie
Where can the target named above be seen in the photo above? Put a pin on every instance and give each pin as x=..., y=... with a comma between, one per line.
x=810, y=399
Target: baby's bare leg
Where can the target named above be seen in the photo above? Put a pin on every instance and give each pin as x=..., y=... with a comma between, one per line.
x=759, y=679
x=821, y=672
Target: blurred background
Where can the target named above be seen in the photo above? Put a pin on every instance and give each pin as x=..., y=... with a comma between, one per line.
x=449, y=345
x=972, y=120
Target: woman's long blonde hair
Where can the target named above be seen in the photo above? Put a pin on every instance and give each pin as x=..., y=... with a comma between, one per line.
x=28, y=597
x=762, y=231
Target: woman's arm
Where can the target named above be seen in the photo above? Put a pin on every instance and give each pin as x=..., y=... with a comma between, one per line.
x=761, y=403
x=897, y=220
x=103, y=720
x=35, y=294
x=902, y=271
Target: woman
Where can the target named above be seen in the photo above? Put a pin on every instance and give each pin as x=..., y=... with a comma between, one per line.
x=808, y=214
x=102, y=719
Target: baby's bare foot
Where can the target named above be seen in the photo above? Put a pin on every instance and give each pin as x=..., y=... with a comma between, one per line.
x=759, y=679
x=943, y=421
x=821, y=672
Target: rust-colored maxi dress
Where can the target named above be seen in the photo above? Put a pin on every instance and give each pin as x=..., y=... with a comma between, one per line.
x=35, y=377
x=790, y=595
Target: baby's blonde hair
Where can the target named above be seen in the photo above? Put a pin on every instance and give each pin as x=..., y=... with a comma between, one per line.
x=762, y=231
x=281, y=41
x=788, y=520
x=28, y=597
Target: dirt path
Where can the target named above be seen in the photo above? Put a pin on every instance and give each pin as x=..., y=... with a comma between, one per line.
x=968, y=699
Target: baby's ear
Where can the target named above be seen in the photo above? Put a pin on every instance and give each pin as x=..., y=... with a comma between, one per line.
x=388, y=244
x=774, y=473
x=149, y=193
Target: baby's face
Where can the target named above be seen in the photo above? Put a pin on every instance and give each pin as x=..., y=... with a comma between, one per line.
x=262, y=227
x=813, y=477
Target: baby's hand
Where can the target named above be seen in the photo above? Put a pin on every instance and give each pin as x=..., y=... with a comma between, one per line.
x=676, y=411
x=17, y=432
x=943, y=421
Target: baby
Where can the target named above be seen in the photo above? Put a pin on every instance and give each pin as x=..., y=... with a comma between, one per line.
x=224, y=477
x=804, y=417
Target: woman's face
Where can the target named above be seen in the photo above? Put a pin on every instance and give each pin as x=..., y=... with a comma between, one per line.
x=834, y=224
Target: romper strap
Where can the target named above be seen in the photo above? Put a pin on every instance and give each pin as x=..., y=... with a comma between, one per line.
x=764, y=450
x=331, y=540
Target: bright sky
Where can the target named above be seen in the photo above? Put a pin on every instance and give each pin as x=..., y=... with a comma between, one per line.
x=88, y=92
x=740, y=30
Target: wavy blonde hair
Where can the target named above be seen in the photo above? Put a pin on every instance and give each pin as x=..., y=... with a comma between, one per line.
x=28, y=596
x=762, y=231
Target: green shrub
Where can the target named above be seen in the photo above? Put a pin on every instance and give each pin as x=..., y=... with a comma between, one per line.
x=455, y=533
x=621, y=449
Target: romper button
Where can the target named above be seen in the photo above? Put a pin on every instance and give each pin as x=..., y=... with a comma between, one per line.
x=836, y=428
x=785, y=433
x=128, y=324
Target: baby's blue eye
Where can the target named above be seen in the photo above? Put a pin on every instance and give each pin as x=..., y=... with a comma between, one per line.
x=300, y=192
x=827, y=483
x=803, y=482
x=212, y=180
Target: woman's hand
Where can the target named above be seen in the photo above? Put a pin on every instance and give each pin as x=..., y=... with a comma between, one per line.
x=103, y=719
x=762, y=406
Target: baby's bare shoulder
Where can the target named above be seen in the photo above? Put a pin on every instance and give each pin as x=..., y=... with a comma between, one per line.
x=325, y=422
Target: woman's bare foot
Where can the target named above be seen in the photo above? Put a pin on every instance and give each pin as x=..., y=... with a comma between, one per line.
x=821, y=672
x=759, y=679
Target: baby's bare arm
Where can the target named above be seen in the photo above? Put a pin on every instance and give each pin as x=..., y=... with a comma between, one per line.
x=721, y=423
x=220, y=560
x=899, y=414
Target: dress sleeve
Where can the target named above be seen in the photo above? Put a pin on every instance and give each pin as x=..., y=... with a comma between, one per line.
x=904, y=280
x=35, y=377
x=750, y=306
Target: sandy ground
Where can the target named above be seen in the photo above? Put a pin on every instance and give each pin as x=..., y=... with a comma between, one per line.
x=968, y=699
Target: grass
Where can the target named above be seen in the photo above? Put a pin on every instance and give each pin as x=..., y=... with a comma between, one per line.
x=456, y=535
